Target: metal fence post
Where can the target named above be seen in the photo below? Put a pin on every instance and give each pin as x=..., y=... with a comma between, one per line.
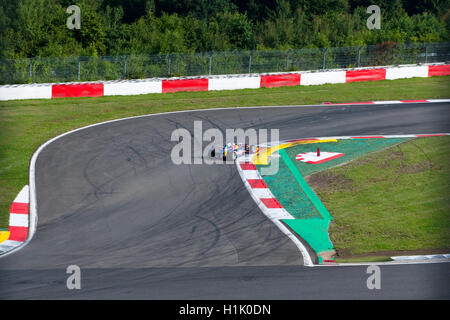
x=168, y=65
x=79, y=69
x=125, y=68
x=324, y=57
x=392, y=54
x=210, y=62
x=359, y=57
x=31, y=70
x=287, y=60
x=426, y=54
x=250, y=62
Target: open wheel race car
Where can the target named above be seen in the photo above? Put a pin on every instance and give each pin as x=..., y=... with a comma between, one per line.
x=231, y=150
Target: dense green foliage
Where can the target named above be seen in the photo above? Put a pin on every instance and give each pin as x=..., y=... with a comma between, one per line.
x=33, y=28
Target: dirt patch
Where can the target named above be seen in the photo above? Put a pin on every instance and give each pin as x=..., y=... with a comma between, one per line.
x=329, y=182
x=395, y=158
x=415, y=167
x=328, y=255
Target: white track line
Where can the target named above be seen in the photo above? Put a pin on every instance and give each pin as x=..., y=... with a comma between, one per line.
x=32, y=170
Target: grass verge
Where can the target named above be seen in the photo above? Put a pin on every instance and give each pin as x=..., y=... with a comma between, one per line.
x=393, y=202
x=364, y=259
x=26, y=124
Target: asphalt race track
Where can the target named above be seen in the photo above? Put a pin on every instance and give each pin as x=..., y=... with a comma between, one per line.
x=111, y=201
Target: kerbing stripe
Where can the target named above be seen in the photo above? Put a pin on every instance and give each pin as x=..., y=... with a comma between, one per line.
x=18, y=220
x=19, y=208
x=18, y=223
x=257, y=183
x=430, y=135
x=274, y=214
x=368, y=137
x=279, y=214
x=387, y=102
x=271, y=203
x=263, y=193
x=18, y=233
x=248, y=166
x=251, y=174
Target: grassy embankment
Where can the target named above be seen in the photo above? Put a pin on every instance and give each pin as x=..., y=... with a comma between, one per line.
x=392, y=202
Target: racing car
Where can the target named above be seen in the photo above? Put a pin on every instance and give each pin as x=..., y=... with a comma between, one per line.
x=231, y=150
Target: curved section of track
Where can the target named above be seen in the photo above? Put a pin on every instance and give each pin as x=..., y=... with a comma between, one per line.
x=110, y=200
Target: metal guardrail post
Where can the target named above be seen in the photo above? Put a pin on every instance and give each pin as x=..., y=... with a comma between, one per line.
x=426, y=54
x=250, y=62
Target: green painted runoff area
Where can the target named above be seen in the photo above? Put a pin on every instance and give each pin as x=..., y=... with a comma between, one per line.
x=305, y=187
x=314, y=231
x=288, y=185
x=351, y=148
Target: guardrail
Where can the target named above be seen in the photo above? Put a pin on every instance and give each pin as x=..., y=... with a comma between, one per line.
x=211, y=83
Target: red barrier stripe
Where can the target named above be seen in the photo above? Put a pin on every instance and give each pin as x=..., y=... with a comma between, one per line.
x=409, y=101
x=368, y=137
x=19, y=207
x=77, y=90
x=184, y=85
x=257, y=183
x=248, y=166
x=442, y=70
x=271, y=203
x=280, y=80
x=18, y=233
x=365, y=75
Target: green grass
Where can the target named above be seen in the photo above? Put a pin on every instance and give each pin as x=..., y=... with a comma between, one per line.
x=397, y=199
x=364, y=259
x=26, y=124
x=288, y=191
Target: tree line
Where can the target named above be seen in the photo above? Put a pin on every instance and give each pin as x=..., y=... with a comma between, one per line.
x=37, y=28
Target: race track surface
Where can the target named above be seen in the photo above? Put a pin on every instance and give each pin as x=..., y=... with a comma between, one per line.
x=111, y=201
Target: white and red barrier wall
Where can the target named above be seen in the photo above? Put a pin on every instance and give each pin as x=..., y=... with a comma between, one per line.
x=210, y=83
